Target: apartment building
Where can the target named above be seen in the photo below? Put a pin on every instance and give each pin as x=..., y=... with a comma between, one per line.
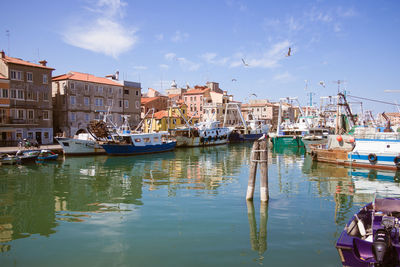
x=261, y=110
x=25, y=101
x=156, y=103
x=79, y=98
x=194, y=99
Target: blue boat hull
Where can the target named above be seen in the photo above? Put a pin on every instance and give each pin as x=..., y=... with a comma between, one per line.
x=118, y=149
x=44, y=158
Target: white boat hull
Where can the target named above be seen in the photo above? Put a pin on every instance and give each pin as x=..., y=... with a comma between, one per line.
x=72, y=146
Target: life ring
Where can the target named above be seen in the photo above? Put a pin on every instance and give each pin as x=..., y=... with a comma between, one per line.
x=314, y=154
x=372, y=158
x=397, y=161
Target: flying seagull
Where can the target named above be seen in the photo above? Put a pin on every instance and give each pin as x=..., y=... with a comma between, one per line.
x=322, y=83
x=244, y=63
x=254, y=95
x=234, y=80
x=289, y=51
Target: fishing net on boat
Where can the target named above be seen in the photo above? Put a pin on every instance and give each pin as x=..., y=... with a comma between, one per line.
x=98, y=129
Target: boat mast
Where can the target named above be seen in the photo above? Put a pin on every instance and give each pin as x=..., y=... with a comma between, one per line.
x=279, y=117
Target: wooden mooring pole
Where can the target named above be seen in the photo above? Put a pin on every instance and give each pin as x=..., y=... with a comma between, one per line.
x=259, y=154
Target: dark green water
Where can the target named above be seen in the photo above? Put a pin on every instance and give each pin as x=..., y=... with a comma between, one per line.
x=182, y=208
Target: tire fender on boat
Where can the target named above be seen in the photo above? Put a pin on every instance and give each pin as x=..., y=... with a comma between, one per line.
x=372, y=158
x=314, y=154
x=397, y=161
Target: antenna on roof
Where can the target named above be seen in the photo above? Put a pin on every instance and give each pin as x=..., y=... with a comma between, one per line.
x=8, y=38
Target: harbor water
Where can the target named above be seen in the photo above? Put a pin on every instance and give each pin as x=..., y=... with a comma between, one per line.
x=181, y=208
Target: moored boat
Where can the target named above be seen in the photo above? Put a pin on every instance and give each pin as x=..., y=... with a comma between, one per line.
x=27, y=156
x=371, y=237
x=6, y=159
x=81, y=144
x=46, y=155
x=138, y=143
x=202, y=134
x=377, y=150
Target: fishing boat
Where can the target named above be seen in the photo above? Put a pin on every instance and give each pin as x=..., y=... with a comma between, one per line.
x=366, y=148
x=371, y=237
x=249, y=130
x=138, y=143
x=6, y=159
x=289, y=134
x=46, y=155
x=315, y=136
x=205, y=133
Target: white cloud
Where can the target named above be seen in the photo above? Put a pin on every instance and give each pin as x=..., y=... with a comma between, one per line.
x=179, y=37
x=164, y=66
x=109, y=8
x=170, y=56
x=268, y=59
x=183, y=62
x=102, y=33
x=187, y=64
x=211, y=58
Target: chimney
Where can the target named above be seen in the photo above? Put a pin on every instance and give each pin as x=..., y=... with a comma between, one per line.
x=2, y=54
x=117, y=75
x=43, y=63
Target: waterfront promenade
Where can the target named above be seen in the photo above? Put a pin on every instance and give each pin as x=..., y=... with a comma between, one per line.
x=12, y=150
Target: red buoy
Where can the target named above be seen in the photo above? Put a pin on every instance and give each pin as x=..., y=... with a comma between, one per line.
x=339, y=138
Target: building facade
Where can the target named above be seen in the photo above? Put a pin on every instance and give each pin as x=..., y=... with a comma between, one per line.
x=172, y=118
x=25, y=101
x=79, y=98
x=156, y=104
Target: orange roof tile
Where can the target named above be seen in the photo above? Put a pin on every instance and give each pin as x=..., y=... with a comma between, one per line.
x=145, y=100
x=85, y=77
x=173, y=95
x=19, y=61
x=162, y=114
x=196, y=91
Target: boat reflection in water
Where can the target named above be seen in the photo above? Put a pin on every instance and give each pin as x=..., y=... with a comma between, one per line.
x=36, y=199
x=351, y=186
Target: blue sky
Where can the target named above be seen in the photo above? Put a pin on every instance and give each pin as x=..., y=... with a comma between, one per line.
x=192, y=42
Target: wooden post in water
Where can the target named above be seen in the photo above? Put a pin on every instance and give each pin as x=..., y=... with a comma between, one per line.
x=264, y=195
x=259, y=154
x=253, y=171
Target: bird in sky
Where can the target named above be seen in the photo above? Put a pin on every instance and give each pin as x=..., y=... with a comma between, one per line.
x=254, y=95
x=322, y=83
x=289, y=51
x=244, y=63
x=234, y=80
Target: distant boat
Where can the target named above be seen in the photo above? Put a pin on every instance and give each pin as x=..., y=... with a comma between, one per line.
x=201, y=134
x=249, y=130
x=371, y=237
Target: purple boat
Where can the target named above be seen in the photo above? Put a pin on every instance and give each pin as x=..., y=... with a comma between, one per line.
x=371, y=237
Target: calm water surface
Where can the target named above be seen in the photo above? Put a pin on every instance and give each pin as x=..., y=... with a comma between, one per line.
x=181, y=208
